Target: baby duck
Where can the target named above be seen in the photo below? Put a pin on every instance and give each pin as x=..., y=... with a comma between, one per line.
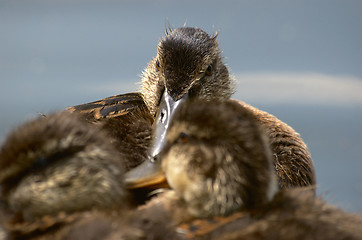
x=58, y=164
x=217, y=159
x=61, y=179
x=218, y=162
x=189, y=65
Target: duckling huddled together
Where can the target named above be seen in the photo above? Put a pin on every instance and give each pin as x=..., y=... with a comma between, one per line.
x=231, y=171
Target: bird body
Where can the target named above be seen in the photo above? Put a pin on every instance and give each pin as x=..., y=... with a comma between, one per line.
x=189, y=65
x=218, y=162
x=58, y=163
x=291, y=158
x=61, y=178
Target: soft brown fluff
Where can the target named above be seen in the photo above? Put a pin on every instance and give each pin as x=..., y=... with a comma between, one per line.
x=62, y=179
x=293, y=214
x=217, y=159
x=59, y=163
x=291, y=158
x=218, y=163
x=95, y=224
x=189, y=61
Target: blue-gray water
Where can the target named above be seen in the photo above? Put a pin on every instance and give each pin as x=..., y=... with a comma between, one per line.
x=300, y=60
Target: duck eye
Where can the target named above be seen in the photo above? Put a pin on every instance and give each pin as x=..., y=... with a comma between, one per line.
x=157, y=65
x=208, y=71
x=183, y=138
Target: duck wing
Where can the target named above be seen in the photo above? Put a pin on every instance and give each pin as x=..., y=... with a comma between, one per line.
x=127, y=121
x=292, y=159
x=111, y=107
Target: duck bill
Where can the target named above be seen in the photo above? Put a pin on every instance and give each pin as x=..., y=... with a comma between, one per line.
x=149, y=173
x=164, y=117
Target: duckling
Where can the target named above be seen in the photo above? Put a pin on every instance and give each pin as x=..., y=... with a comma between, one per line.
x=218, y=162
x=217, y=159
x=61, y=179
x=189, y=65
x=58, y=164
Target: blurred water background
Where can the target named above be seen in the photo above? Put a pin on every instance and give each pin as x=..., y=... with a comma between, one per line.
x=299, y=60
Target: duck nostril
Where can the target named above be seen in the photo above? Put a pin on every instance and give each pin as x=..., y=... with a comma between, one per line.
x=163, y=116
x=154, y=159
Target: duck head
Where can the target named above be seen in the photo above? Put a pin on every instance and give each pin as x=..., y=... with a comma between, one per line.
x=217, y=159
x=188, y=65
x=59, y=163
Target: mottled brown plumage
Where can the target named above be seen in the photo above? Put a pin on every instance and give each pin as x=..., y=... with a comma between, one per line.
x=292, y=214
x=126, y=119
x=54, y=165
x=59, y=163
x=292, y=160
x=189, y=62
x=62, y=179
x=217, y=159
x=131, y=135
x=99, y=225
x=218, y=163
